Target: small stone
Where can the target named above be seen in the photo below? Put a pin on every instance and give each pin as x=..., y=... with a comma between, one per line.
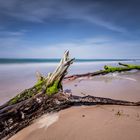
x=118, y=113
x=83, y=115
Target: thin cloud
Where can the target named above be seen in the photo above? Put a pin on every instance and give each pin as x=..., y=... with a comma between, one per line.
x=6, y=33
x=42, y=11
x=87, y=48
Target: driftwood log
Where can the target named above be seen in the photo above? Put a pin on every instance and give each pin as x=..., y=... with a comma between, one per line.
x=106, y=70
x=45, y=96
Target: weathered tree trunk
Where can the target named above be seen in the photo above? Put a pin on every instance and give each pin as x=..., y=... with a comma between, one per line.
x=20, y=110
x=48, y=85
x=44, y=97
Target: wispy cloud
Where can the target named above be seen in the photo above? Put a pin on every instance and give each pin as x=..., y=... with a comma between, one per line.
x=99, y=47
x=95, y=12
x=6, y=33
x=11, y=39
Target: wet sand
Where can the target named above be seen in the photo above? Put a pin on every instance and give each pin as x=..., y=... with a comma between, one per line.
x=124, y=86
x=106, y=122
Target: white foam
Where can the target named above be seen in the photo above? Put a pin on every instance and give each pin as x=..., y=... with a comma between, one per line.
x=128, y=78
x=116, y=75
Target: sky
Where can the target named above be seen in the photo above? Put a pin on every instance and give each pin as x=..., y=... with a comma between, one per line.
x=91, y=29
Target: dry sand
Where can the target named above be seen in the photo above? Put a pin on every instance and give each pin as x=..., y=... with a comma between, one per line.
x=87, y=123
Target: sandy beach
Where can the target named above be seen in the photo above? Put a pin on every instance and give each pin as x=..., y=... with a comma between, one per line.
x=106, y=122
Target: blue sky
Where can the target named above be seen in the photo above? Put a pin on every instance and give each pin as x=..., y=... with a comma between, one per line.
x=88, y=28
